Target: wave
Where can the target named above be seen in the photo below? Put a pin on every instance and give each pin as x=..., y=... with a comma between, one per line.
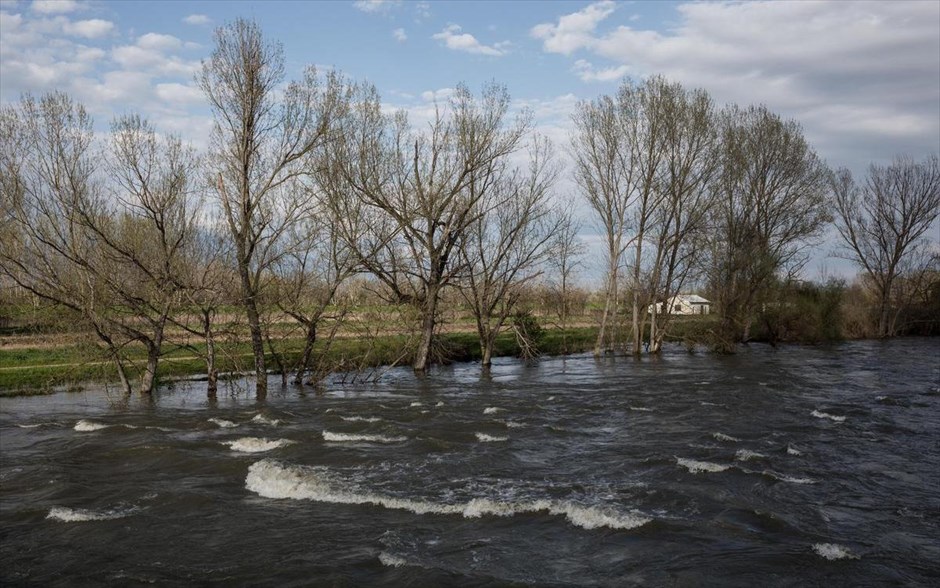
x=746, y=454
x=697, y=467
x=78, y=515
x=833, y=551
x=359, y=419
x=723, y=437
x=826, y=415
x=789, y=479
x=339, y=437
x=33, y=426
x=415, y=404
x=392, y=561
x=260, y=418
x=85, y=426
x=223, y=423
x=439, y=404
x=256, y=444
x=793, y=451
x=272, y=479
x=640, y=409
x=484, y=438
x=492, y=410
x=515, y=425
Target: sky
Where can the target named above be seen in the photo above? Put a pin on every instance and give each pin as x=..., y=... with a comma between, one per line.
x=862, y=78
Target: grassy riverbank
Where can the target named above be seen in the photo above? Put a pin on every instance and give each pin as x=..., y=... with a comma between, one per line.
x=46, y=369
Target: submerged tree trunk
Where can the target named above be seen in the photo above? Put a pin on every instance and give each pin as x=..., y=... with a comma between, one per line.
x=610, y=300
x=212, y=373
x=257, y=336
x=423, y=353
x=307, y=357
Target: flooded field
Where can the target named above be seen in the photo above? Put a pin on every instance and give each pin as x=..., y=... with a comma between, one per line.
x=789, y=467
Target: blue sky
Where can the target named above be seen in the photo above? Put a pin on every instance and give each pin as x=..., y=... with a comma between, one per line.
x=863, y=78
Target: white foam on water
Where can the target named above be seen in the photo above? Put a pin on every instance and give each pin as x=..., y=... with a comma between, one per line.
x=793, y=451
x=697, y=467
x=484, y=438
x=329, y=410
x=85, y=426
x=833, y=551
x=746, y=454
x=723, y=437
x=550, y=398
x=223, y=423
x=415, y=404
x=492, y=410
x=515, y=425
x=439, y=404
x=392, y=561
x=826, y=415
x=789, y=479
x=260, y=418
x=359, y=419
x=272, y=479
x=640, y=409
x=341, y=437
x=29, y=426
x=78, y=515
x=256, y=444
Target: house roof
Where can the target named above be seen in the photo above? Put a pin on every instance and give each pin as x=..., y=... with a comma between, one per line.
x=694, y=299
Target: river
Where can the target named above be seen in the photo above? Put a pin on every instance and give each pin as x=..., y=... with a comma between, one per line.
x=780, y=467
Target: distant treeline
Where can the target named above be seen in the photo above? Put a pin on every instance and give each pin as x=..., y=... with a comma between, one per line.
x=316, y=213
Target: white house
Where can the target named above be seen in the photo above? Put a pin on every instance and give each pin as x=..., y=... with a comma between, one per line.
x=683, y=304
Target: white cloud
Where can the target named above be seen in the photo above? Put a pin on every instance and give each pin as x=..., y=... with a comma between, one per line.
x=862, y=77
x=179, y=93
x=197, y=19
x=400, y=35
x=90, y=29
x=457, y=41
x=573, y=31
x=588, y=73
x=376, y=6
x=437, y=95
x=158, y=42
x=54, y=6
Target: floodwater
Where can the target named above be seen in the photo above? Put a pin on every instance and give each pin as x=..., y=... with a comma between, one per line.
x=790, y=467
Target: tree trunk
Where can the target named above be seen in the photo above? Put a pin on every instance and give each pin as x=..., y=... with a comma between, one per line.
x=488, y=353
x=599, y=347
x=254, y=326
x=311, y=339
x=149, y=379
x=122, y=374
x=423, y=354
x=211, y=371
x=154, y=346
x=654, y=333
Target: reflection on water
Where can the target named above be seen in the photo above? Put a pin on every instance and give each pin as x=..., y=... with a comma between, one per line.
x=803, y=465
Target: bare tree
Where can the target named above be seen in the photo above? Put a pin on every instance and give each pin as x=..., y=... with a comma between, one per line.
x=607, y=178
x=315, y=263
x=420, y=192
x=882, y=224
x=563, y=262
x=259, y=141
x=680, y=220
x=209, y=281
x=504, y=249
x=771, y=204
x=109, y=252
